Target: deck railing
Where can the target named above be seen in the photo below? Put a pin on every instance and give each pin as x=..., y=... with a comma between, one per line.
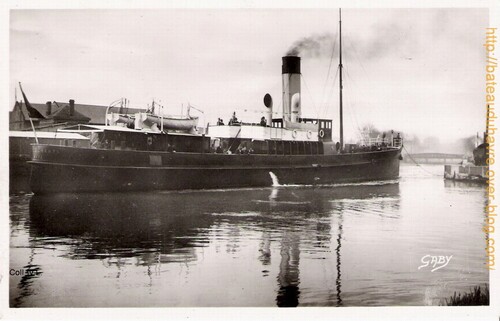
x=395, y=142
x=468, y=170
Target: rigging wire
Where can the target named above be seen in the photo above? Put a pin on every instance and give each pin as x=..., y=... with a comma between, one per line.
x=353, y=82
x=356, y=54
x=353, y=111
x=332, y=90
x=310, y=95
x=418, y=165
x=329, y=66
x=348, y=104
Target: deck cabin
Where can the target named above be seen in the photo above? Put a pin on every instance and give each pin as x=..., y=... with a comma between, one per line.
x=307, y=137
x=122, y=138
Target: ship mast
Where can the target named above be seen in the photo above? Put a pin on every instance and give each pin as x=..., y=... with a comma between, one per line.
x=340, y=82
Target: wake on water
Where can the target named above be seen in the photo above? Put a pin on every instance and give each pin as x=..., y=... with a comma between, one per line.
x=274, y=178
x=276, y=183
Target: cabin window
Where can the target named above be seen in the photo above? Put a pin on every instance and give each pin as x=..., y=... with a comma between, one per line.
x=259, y=147
x=277, y=123
x=279, y=146
x=271, y=148
x=155, y=160
x=288, y=150
x=264, y=147
x=256, y=146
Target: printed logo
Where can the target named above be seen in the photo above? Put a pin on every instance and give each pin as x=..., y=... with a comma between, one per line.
x=435, y=262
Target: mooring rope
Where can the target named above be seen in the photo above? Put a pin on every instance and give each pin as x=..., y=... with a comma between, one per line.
x=418, y=165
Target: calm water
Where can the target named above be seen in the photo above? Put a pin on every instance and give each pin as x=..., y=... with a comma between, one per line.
x=343, y=245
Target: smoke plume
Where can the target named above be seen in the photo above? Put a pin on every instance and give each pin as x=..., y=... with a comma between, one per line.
x=381, y=40
x=313, y=46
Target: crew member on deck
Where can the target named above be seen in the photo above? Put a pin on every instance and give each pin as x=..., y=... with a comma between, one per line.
x=234, y=119
x=263, y=121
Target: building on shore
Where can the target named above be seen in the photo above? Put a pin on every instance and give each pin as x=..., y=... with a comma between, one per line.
x=49, y=118
x=57, y=114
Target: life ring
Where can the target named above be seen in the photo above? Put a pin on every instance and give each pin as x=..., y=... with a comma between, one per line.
x=309, y=134
x=321, y=133
x=150, y=140
x=294, y=133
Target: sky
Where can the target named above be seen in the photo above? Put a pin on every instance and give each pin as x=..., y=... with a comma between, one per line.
x=419, y=71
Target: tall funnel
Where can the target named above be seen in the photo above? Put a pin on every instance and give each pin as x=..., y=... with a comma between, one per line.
x=290, y=71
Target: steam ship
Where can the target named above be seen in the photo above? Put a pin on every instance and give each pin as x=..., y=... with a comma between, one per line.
x=288, y=150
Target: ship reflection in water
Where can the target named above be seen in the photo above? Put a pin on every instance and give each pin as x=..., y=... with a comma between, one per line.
x=338, y=245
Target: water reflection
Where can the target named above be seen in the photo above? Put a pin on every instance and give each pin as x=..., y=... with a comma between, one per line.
x=158, y=229
x=463, y=184
x=337, y=252
x=29, y=273
x=288, y=277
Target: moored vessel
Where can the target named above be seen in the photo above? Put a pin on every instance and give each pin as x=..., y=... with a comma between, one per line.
x=475, y=171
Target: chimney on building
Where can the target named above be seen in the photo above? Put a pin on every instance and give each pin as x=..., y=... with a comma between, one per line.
x=71, y=107
x=49, y=108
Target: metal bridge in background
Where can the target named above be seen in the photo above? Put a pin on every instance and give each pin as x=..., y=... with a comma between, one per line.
x=437, y=158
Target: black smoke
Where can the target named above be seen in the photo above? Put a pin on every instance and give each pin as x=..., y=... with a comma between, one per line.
x=313, y=46
x=380, y=40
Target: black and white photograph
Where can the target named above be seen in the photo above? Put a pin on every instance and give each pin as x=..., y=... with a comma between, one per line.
x=250, y=156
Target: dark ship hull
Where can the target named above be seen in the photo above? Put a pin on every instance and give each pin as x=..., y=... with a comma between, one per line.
x=68, y=169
